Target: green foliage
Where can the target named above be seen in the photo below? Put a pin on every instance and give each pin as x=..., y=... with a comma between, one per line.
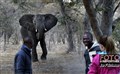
x=19, y=1
x=100, y=9
x=116, y=32
x=69, y=5
x=15, y=1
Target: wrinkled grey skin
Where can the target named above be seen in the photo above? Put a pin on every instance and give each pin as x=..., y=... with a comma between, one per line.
x=35, y=27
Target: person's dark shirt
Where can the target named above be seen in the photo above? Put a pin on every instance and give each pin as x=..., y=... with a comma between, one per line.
x=87, y=57
x=22, y=61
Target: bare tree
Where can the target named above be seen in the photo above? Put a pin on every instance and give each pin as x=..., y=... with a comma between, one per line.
x=92, y=17
x=107, y=10
x=86, y=23
x=67, y=23
x=107, y=17
x=5, y=19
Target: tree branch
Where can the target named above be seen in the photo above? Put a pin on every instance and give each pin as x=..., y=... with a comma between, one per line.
x=116, y=1
x=62, y=7
x=116, y=7
x=100, y=3
x=92, y=16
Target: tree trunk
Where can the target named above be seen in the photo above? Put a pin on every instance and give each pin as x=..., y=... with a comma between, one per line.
x=86, y=23
x=4, y=46
x=92, y=17
x=106, y=20
x=107, y=17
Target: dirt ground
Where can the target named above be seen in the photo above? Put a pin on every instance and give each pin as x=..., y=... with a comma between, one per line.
x=57, y=63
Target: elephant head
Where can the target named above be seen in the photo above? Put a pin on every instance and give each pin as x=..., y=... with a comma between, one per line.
x=44, y=23
x=39, y=23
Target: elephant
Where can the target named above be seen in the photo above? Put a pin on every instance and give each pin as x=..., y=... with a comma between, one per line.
x=35, y=26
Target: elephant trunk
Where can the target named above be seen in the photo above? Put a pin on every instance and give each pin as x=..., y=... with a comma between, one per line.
x=37, y=35
x=39, y=21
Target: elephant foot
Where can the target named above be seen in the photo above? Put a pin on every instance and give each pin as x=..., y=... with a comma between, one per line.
x=34, y=58
x=43, y=58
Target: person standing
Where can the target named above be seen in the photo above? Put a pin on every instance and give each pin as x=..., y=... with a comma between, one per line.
x=92, y=48
x=108, y=47
x=22, y=60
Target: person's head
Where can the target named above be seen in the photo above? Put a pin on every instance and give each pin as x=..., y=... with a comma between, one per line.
x=28, y=42
x=107, y=43
x=87, y=39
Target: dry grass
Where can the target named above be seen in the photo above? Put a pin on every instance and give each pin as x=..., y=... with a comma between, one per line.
x=57, y=62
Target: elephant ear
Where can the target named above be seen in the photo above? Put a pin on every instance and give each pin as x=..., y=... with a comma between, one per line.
x=26, y=21
x=50, y=21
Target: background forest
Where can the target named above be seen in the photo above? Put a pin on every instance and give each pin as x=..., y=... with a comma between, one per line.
x=73, y=20
x=101, y=17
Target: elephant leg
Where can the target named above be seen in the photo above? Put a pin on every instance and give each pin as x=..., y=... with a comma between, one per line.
x=34, y=52
x=44, y=49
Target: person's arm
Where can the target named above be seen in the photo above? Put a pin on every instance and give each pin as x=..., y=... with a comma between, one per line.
x=94, y=65
x=19, y=64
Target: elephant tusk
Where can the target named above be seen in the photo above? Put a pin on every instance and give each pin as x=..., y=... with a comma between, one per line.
x=36, y=30
x=45, y=29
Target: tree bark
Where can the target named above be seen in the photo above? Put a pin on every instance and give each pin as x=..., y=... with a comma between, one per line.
x=117, y=7
x=92, y=17
x=107, y=17
x=86, y=23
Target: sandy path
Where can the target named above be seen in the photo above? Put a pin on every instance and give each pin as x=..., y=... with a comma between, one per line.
x=56, y=63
